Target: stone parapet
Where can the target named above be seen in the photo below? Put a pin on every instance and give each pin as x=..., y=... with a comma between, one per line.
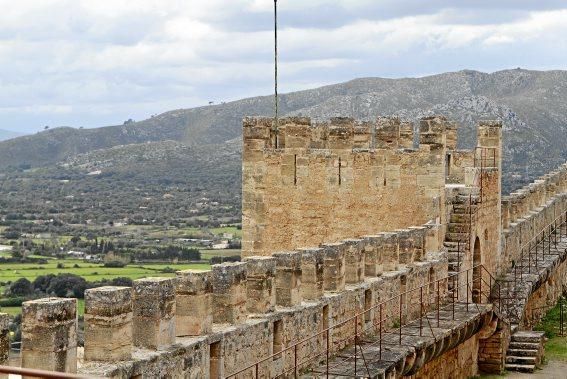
x=261, y=284
x=154, y=313
x=108, y=324
x=288, y=278
x=229, y=293
x=194, y=303
x=49, y=334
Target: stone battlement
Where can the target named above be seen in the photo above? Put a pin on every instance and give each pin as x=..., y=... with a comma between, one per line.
x=201, y=309
x=533, y=195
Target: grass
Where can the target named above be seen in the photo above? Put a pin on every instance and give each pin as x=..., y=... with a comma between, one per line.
x=10, y=272
x=556, y=349
x=209, y=253
x=13, y=311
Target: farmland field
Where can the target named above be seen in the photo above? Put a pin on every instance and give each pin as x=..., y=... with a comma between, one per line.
x=10, y=272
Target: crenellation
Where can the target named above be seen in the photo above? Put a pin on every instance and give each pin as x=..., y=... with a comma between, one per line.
x=334, y=267
x=108, y=324
x=288, y=278
x=312, y=277
x=372, y=258
x=49, y=334
x=229, y=293
x=153, y=313
x=193, y=303
x=354, y=260
x=260, y=284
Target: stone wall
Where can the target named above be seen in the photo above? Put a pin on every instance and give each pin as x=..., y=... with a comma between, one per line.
x=251, y=310
x=324, y=182
x=458, y=363
x=545, y=296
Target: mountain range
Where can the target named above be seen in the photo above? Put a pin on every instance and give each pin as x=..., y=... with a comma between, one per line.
x=7, y=134
x=531, y=104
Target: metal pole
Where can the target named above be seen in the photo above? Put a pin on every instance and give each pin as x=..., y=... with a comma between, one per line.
x=355, y=342
x=467, y=290
x=400, y=319
x=295, y=360
x=276, y=72
x=420, y=311
x=438, y=301
x=381, y=330
x=327, y=354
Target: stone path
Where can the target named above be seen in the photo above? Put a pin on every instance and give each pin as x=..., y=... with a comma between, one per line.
x=415, y=350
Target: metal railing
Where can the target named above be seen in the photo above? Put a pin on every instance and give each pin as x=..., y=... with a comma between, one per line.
x=562, y=327
x=540, y=244
x=374, y=327
x=33, y=373
x=532, y=253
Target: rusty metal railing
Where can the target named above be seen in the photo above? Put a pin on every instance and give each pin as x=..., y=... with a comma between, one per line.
x=419, y=307
x=33, y=373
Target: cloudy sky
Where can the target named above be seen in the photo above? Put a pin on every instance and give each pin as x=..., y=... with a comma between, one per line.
x=99, y=62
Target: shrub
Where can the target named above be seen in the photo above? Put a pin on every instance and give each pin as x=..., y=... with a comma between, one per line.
x=21, y=287
x=115, y=264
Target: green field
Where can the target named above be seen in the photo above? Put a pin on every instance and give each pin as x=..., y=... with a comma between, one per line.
x=92, y=272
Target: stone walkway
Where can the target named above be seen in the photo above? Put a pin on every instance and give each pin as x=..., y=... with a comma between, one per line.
x=515, y=293
x=415, y=350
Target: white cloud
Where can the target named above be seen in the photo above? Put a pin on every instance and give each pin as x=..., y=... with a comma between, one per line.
x=81, y=58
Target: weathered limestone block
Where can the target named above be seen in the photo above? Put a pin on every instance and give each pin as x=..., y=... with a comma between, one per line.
x=260, y=284
x=229, y=293
x=334, y=267
x=388, y=251
x=193, y=303
x=49, y=334
x=354, y=261
x=418, y=234
x=288, y=278
x=387, y=132
x=312, y=265
x=4, y=338
x=432, y=132
x=362, y=135
x=154, y=313
x=108, y=324
x=452, y=128
x=411, y=245
x=372, y=258
x=341, y=132
x=406, y=135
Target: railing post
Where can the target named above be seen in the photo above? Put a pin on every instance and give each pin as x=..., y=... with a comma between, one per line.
x=355, y=342
x=327, y=356
x=453, y=298
x=421, y=311
x=400, y=319
x=381, y=305
x=295, y=360
x=257, y=376
x=479, y=270
x=467, y=290
x=438, y=301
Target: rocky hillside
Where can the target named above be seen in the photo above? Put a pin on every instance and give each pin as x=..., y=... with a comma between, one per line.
x=532, y=105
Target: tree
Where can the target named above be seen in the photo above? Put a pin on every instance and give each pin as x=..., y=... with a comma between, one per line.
x=20, y=288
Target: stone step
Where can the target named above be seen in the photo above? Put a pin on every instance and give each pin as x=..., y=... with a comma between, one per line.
x=459, y=218
x=458, y=228
x=523, y=352
x=455, y=237
x=520, y=360
x=520, y=368
x=522, y=336
x=463, y=209
x=524, y=345
x=465, y=199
